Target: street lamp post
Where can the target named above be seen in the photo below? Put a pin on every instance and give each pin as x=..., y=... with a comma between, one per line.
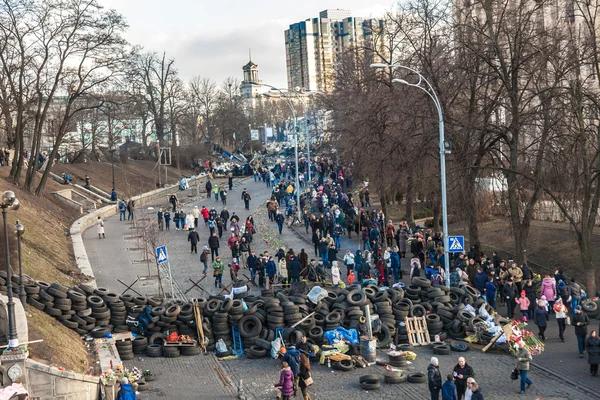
x=9, y=200
x=113, y=194
x=22, y=296
x=427, y=88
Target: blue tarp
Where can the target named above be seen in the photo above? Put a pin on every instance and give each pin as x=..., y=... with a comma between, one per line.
x=340, y=333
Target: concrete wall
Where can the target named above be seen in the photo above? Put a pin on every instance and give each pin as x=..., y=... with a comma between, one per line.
x=49, y=383
x=62, y=197
x=86, y=202
x=89, y=220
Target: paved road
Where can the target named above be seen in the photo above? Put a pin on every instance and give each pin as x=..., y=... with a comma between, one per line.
x=111, y=258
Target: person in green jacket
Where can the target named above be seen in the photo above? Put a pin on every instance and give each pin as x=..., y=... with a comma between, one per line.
x=218, y=268
x=216, y=192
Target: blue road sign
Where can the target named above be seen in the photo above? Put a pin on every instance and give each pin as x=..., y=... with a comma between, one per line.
x=161, y=254
x=456, y=244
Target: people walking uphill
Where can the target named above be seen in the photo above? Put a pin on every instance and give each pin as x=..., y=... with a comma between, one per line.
x=167, y=217
x=580, y=321
x=100, y=227
x=286, y=381
x=218, y=269
x=462, y=372
x=196, y=214
x=539, y=317
x=160, y=216
x=561, y=312
x=292, y=358
x=204, y=259
x=189, y=221
x=213, y=244
x=434, y=378
x=174, y=201
x=215, y=192
x=592, y=345
x=122, y=209
x=523, y=360
x=208, y=188
x=279, y=219
x=193, y=238
x=246, y=197
x=575, y=294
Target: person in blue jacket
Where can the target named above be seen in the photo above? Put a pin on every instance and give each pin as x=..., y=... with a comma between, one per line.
x=490, y=292
x=449, y=389
x=480, y=280
x=126, y=392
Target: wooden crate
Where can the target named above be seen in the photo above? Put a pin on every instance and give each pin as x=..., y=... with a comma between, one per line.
x=416, y=329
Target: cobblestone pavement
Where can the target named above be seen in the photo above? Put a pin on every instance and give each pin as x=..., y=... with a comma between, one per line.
x=184, y=377
x=492, y=372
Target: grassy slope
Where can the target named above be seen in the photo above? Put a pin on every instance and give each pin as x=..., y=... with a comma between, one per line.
x=47, y=253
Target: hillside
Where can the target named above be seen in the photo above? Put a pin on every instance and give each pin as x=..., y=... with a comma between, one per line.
x=47, y=253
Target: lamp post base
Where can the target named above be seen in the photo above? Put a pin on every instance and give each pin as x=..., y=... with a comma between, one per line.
x=13, y=362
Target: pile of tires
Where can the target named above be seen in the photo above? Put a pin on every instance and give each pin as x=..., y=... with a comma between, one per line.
x=370, y=382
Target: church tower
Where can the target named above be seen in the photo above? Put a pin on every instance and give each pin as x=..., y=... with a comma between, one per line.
x=251, y=86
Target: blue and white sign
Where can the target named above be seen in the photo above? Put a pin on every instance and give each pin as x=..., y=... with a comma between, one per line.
x=456, y=244
x=161, y=254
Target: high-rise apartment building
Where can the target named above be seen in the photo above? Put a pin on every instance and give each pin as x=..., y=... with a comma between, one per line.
x=313, y=46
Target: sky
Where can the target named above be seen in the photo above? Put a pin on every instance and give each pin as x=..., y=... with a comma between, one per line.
x=212, y=38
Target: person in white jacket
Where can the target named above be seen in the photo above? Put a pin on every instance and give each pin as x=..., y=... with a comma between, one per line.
x=469, y=392
x=335, y=273
x=189, y=220
x=348, y=261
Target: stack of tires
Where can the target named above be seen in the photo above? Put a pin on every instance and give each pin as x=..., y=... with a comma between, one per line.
x=125, y=349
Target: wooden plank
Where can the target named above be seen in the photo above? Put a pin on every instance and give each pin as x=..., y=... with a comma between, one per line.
x=416, y=329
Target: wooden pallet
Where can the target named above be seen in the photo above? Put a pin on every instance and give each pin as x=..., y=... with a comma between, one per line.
x=416, y=329
x=180, y=343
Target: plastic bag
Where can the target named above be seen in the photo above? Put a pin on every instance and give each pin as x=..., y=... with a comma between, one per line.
x=244, y=305
x=275, y=347
x=340, y=333
x=410, y=355
x=483, y=312
x=220, y=346
x=469, y=308
x=316, y=294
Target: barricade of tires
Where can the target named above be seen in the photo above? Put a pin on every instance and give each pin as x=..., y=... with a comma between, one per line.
x=97, y=311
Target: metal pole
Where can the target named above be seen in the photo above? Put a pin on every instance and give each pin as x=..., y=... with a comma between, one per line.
x=444, y=205
x=297, y=180
x=22, y=295
x=13, y=340
x=307, y=147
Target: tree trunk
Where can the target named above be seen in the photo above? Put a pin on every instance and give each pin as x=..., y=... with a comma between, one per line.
x=410, y=197
x=470, y=208
x=437, y=212
x=588, y=264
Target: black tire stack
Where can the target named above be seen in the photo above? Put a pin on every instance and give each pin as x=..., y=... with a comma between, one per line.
x=125, y=349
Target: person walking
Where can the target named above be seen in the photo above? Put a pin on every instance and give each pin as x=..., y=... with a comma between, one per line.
x=539, y=317
x=286, y=381
x=523, y=360
x=189, y=221
x=204, y=259
x=218, y=268
x=208, y=188
x=523, y=303
x=216, y=191
x=449, y=389
x=279, y=219
x=126, y=392
x=223, y=195
x=122, y=209
x=580, y=321
x=213, y=244
x=548, y=289
x=167, y=217
x=305, y=376
x=434, y=378
x=174, y=201
x=490, y=292
x=575, y=294
x=561, y=317
x=462, y=372
x=100, y=228
x=592, y=345
x=196, y=214
x=161, y=219
x=245, y=250
x=193, y=238
x=246, y=197
x=509, y=292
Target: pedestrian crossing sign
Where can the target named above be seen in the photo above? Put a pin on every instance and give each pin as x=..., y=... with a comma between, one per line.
x=456, y=244
x=161, y=254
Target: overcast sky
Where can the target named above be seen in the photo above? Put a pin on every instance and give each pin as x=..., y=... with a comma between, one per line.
x=212, y=38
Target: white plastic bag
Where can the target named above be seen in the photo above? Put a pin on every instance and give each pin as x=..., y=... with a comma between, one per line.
x=220, y=346
x=316, y=294
x=275, y=347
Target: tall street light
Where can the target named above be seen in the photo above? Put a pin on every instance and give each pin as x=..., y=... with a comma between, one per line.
x=291, y=105
x=9, y=201
x=298, y=92
x=424, y=85
x=22, y=296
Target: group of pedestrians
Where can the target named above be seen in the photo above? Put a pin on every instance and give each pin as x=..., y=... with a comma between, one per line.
x=459, y=384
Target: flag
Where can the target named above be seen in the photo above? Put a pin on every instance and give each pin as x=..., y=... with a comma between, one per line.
x=234, y=135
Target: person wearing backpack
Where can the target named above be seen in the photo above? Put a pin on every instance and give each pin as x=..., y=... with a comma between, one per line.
x=126, y=392
x=204, y=259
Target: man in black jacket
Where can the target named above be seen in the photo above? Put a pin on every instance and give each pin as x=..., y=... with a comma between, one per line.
x=295, y=268
x=193, y=238
x=246, y=198
x=225, y=215
x=462, y=372
x=316, y=239
x=527, y=274
x=213, y=244
x=279, y=219
x=208, y=187
x=580, y=321
x=509, y=292
x=251, y=262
